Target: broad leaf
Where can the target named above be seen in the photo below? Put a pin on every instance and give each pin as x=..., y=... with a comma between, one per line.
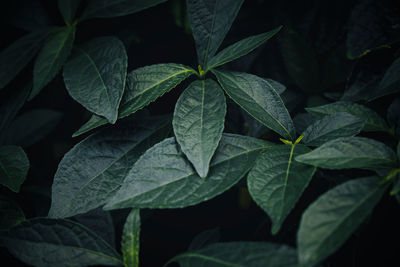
x=14, y=166
x=277, y=181
x=330, y=127
x=100, y=83
x=390, y=82
x=11, y=105
x=68, y=9
x=210, y=21
x=10, y=213
x=50, y=242
x=334, y=216
x=31, y=127
x=52, y=57
x=15, y=57
x=95, y=168
x=131, y=239
x=144, y=85
x=115, y=8
x=164, y=178
x=373, y=122
x=351, y=152
x=256, y=96
x=302, y=121
x=239, y=254
x=199, y=121
x=240, y=48
x=205, y=238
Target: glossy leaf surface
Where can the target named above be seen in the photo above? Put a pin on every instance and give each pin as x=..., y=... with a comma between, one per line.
x=14, y=166
x=131, y=239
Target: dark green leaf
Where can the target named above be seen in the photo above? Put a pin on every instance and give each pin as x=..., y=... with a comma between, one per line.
x=100, y=83
x=14, y=166
x=334, y=216
x=259, y=99
x=396, y=186
x=210, y=21
x=14, y=58
x=351, y=152
x=276, y=182
x=398, y=151
x=390, y=82
x=95, y=168
x=239, y=254
x=115, y=8
x=330, y=127
x=278, y=87
x=164, y=178
x=204, y=238
x=199, y=121
x=373, y=122
x=68, y=9
x=144, y=85
x=30, y=127
x=10, y=213
x=11, y=105
x=131, y=239
x=240, y=49
x=52, y=57
x=50, y=242
x=302, y=121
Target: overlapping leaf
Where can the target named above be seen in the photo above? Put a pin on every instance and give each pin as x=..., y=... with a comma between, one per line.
x=199, y=121
x=131, y=239
x=11, y=105
x=68, y=9
x=390, y=82
x=256, y=96
x=164, y=178
x=14, y=166
x=100, y=83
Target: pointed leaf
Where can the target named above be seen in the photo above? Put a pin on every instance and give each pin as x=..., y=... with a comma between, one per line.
x=11, y=105
x=68, y=9
x=373, y=122
x=50, y=242
x=131, y=239
x=256, y=96
x=15, y=57
x=116, y=8
x=277, y=181
x=144, y=85
x=351, y=152
x=205, y=238
x=240, y=48
x=210, y=21
x=95, y=168
x=164, y=178
x=334, y=216
x=14, y=166
x=11, y=213
x=239, y=254
x=199, y=121
x=330, y=127
x=390, y=82
x=100, y=83
x=52, y=57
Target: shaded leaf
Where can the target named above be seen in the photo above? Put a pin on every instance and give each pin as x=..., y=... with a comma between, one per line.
x=100, y=83
x=131, y=239
x=205, y=238
x=50, y=242
x=14, y=166
x=256, y=96
x=10, y=213
x=68, y=9
x=199, y=121
x=28, y=15
x=390, y=82
x=330, y=220
x=303, y=120
x=92, y=171
x=164, y=178
x=11, y=105
x=277, y=181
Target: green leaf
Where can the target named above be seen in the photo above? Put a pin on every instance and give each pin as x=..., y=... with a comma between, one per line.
x=205, y=238
x=373, y=122
x=351, y=152
x=100, y=83
x=210, y=21
x=300, y=61
x=398, y=151
x=302, y=121
x=31, y=127
x=164, y=178
x=11, y=105
x=390, y=82
x=68, y=9
x=52, y=57
x=10, y=213
x=256, y=96
x=276, y=182
x=14, y=166
x=240, y=49
x=144, y=85
x=334, y=216
x=330, y=127
x=92, y=171
x=49, y=242
x=239, y=254
x=131, y=239
x=199, y=121
x=15, y=57
x=115, y=8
